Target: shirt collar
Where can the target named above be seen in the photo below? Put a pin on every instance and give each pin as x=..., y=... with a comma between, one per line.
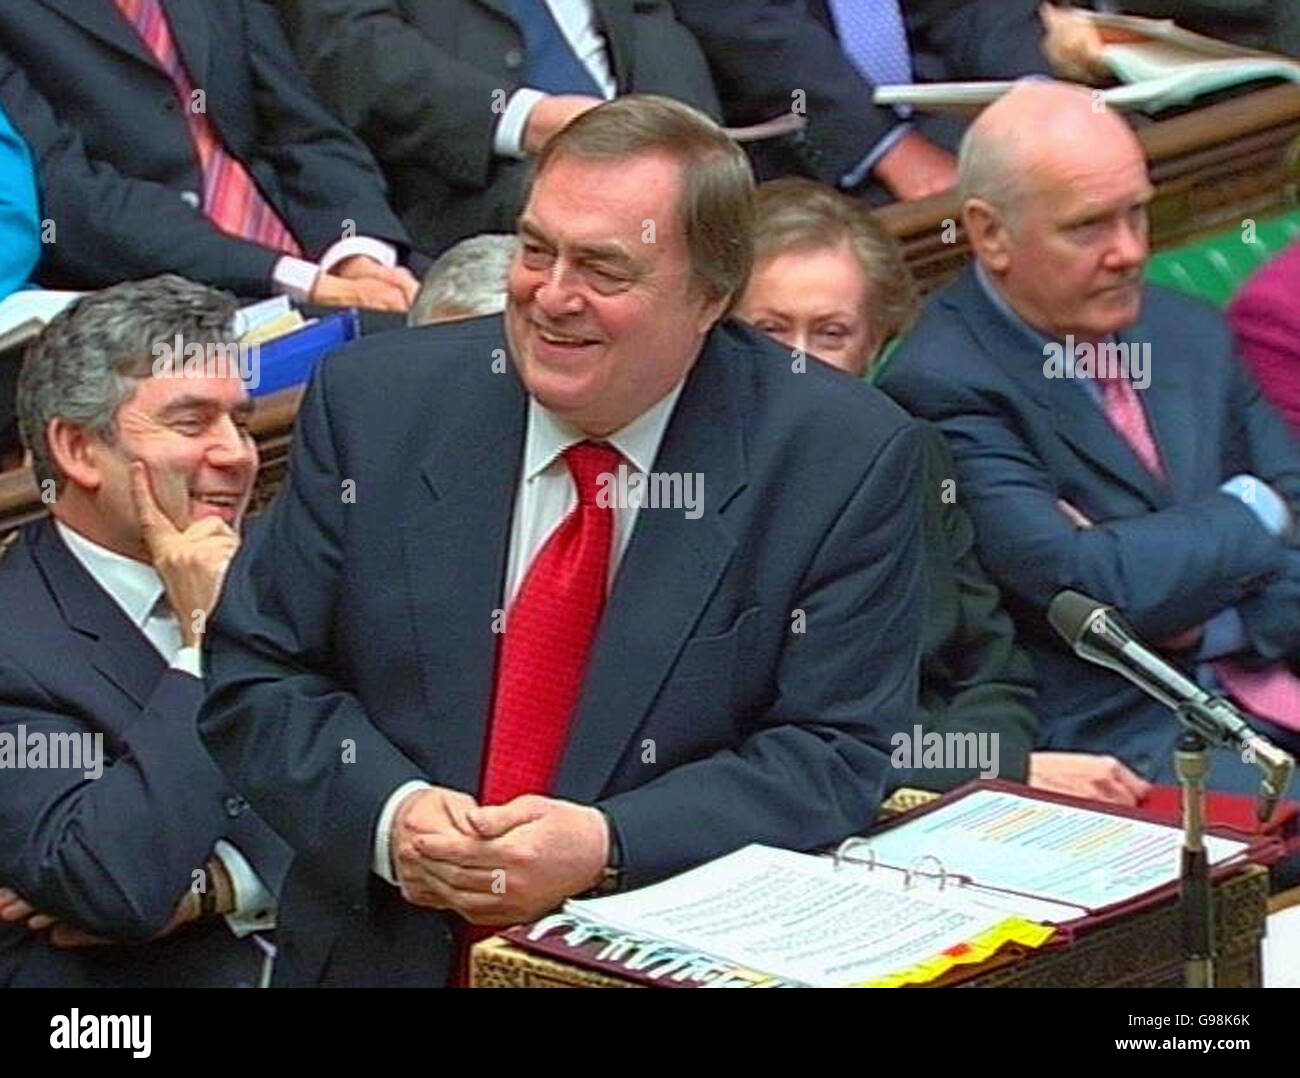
x=549, y=435
x=995, y=296
x=133, y=585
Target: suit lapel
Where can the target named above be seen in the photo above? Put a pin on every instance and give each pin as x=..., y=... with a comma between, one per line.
x=1170, y=406
x=112, y=644
x=193, y=38
x=615, y=19
x=1078, y=419
x=668, y=574
x=1081, y=422
x=456, y=536
x=102, y=19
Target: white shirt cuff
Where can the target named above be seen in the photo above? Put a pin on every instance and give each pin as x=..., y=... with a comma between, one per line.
x=189, y=661
x=254, y=904
x=383, y=253
x=295, y=277
x=383, y=861
x=1262, y=500
x=509, y=138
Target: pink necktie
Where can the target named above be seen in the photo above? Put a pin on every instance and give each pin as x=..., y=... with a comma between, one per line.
x=231, y=200
x=1273, y=693
x=1126, y=414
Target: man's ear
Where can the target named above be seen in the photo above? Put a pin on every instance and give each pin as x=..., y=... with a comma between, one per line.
x=712, y=310
x=987, y=231
x=77, y=453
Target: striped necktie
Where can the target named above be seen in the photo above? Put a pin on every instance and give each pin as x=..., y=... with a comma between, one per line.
x=231, y=200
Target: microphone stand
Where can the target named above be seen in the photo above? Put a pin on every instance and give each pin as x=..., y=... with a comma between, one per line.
x=1192, y=762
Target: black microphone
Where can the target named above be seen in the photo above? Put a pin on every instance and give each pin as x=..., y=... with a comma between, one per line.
x=1097, y=633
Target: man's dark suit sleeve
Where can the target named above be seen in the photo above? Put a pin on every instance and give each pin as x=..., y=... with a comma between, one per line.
x=844, y=685
x=327, y=174
x=307, y=756
x=983, y=679
x=980, y=39
x=414, y=102
x=108, y=225
x=1167, y=570
x=762, y=51
x=114, y=854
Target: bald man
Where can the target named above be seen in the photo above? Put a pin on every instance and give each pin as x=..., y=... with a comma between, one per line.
x=1106, y=438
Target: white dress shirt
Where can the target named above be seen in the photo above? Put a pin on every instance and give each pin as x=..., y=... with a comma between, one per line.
x=577, y=22
x=138, y=590
x=545, y=497
x=296, y=277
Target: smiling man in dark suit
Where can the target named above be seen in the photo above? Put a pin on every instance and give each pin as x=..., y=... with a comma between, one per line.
x=716, y=666
x=1159, y=481
x=129, y=862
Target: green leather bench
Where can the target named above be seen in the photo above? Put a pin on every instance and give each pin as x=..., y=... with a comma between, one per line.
x=1214, y=269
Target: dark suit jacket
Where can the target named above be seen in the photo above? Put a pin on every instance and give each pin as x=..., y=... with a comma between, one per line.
x=114, y=854
x=1258, y=24
x=116, y=155
x=750, y=666
x=761, y=51
x=975, y=677
x=423, y=82
x=1167, y=556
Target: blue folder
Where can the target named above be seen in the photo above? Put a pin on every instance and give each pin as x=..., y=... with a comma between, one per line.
x=291, y=359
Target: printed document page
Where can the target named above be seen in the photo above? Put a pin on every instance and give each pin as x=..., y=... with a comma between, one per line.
x=794, y=916
x=1052, y=851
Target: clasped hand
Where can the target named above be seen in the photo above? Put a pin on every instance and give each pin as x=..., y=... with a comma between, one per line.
x=495, y=864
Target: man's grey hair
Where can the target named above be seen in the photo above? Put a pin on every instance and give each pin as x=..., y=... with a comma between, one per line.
x=87, y=362
x=987, y=169
x=467, y=280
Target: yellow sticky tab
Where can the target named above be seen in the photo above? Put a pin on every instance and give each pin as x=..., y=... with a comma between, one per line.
x=972, y=952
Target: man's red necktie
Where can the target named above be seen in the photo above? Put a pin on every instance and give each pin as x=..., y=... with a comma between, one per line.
x=549, y=633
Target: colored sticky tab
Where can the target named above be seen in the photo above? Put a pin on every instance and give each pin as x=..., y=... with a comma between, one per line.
x=976, y=950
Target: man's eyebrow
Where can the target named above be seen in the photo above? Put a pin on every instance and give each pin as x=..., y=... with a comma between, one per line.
x=612, y=251
x=1095, y=213
x=187, y=402
x=528, y=228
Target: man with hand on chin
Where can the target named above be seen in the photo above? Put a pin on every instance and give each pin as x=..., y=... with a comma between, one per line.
x=671, y=683
x=130, y=862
